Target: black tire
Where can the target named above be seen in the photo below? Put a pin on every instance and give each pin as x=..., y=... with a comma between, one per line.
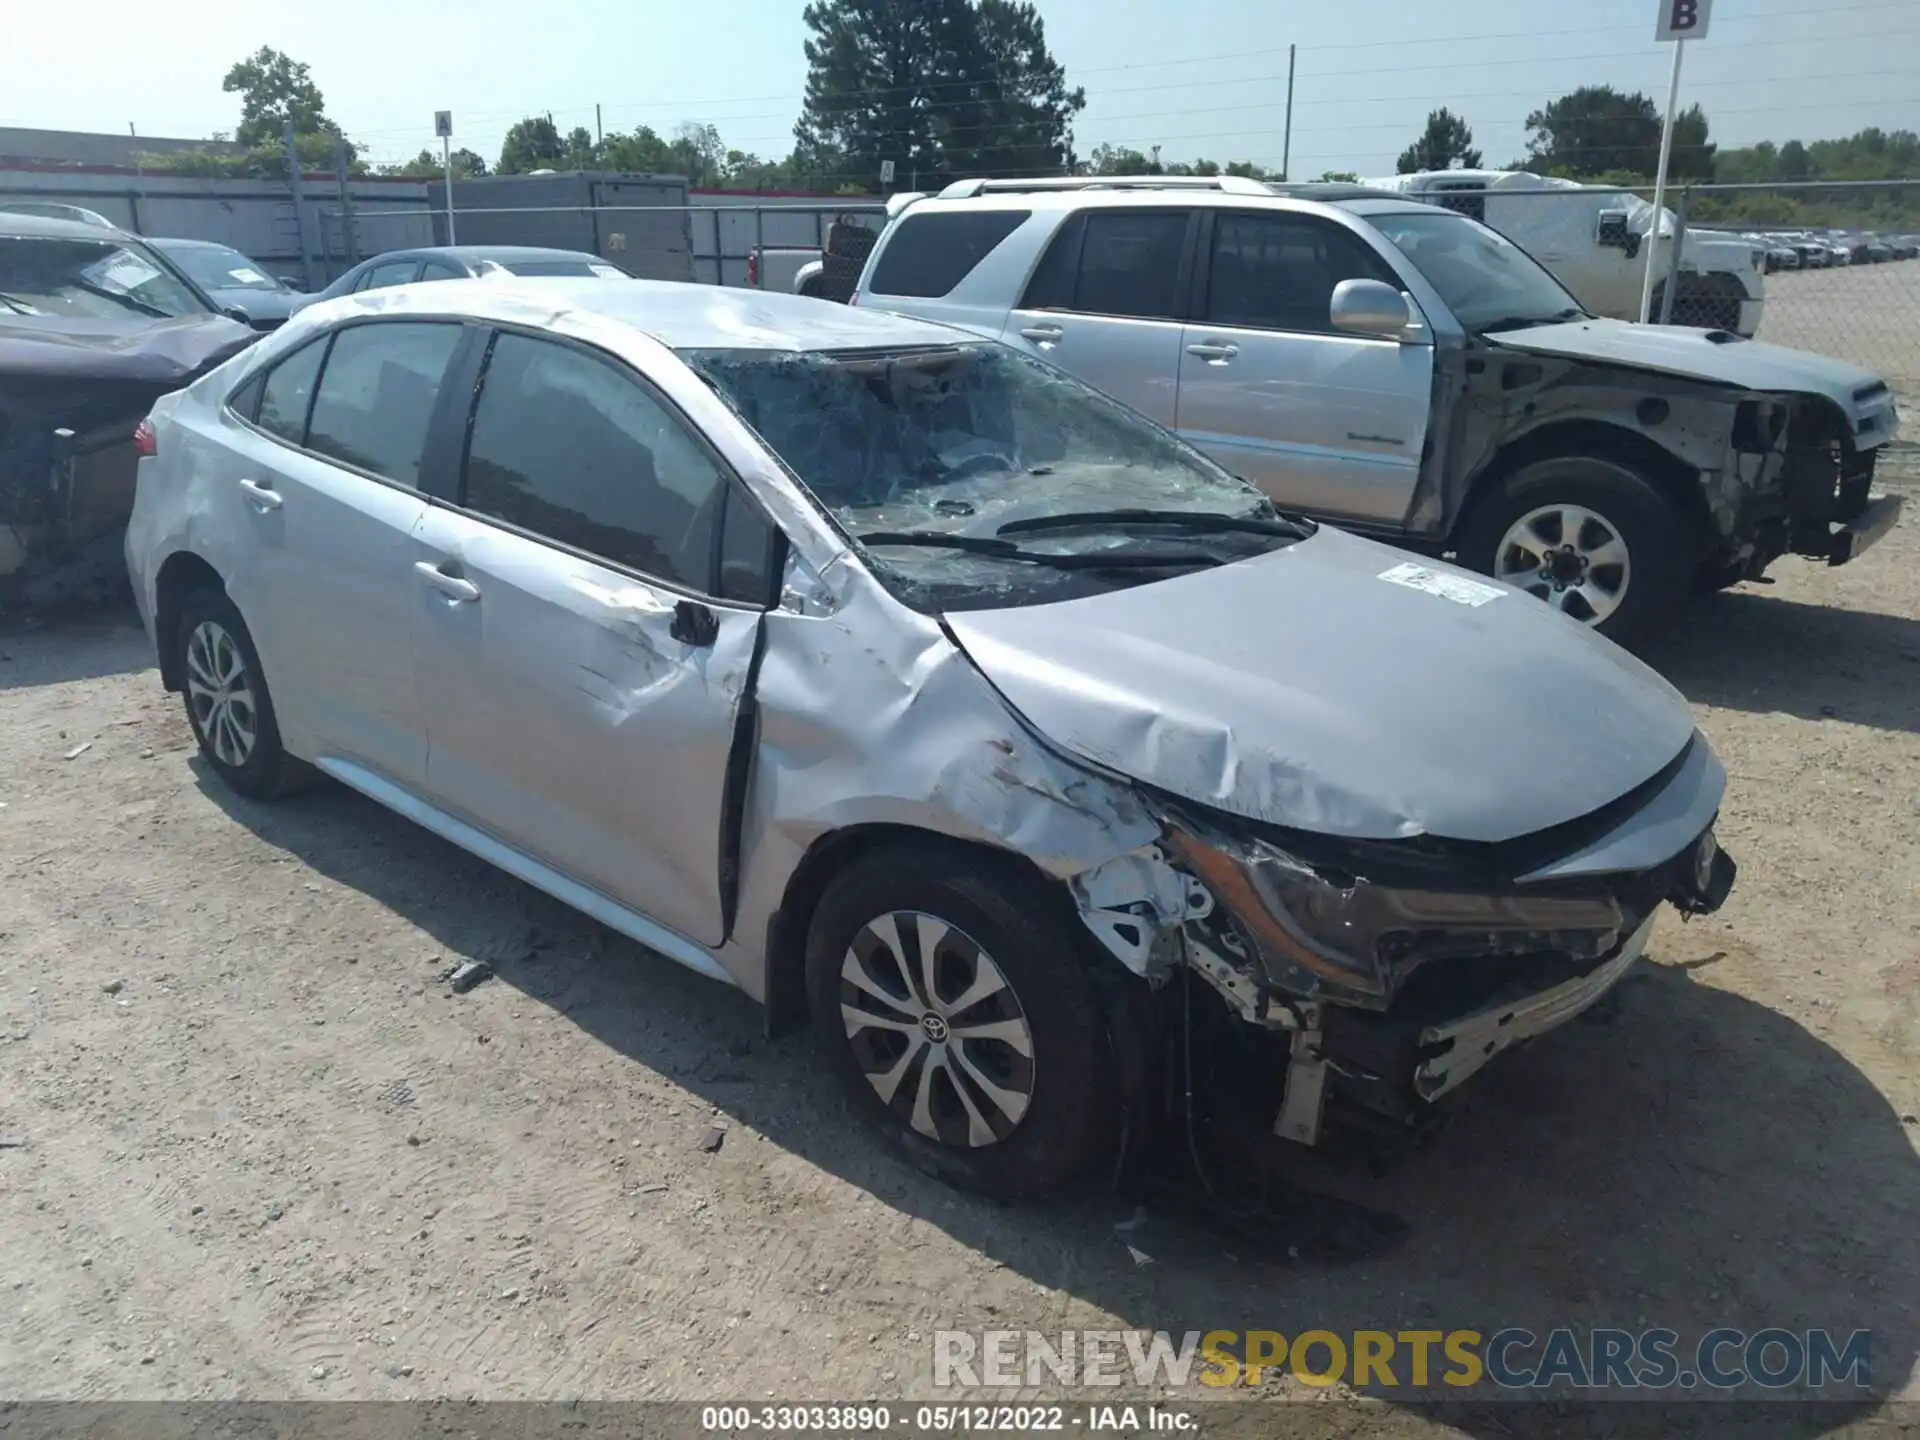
x=1072, y=1104
x=1657, y=577
x=264, y=769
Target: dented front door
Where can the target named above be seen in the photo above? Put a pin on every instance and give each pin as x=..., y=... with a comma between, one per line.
x=581, y=715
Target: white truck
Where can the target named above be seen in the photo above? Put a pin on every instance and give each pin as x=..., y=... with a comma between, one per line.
x=1593, y=239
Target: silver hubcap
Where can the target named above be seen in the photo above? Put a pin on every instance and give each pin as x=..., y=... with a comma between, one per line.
x=936, y=1029
x=220, y=694
x=1568, y=556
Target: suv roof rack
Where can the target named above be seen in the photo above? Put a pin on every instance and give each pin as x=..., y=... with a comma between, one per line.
x=1227, y=184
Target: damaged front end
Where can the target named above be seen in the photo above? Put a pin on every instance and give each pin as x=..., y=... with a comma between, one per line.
x=1371, y=979
x=71, y=395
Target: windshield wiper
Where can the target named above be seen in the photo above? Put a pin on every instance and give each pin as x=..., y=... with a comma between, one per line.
x=1007, y=550
x=1181, y=519
x=1524, y=322
x=19, y=306
x=125, y=299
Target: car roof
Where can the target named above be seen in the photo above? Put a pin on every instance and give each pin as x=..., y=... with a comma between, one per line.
x=1155, y=192
x=180, y=242
x=500, y=253
x=679, y=314
x=46, y=227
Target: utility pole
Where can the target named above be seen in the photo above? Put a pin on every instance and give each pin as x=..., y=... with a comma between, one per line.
x=1286, y=142
x=443, y=127
x=599, y=136
x=294, y=178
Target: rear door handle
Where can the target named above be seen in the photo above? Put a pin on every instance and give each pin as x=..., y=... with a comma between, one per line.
x=262, y=497
x=1043, y=334
x=1214, y=352
x=452, y=586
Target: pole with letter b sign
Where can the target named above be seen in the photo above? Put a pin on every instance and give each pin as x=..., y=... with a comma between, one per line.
x=1679, y=22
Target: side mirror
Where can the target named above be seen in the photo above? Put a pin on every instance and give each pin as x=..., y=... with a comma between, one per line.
x=1369, y=307
x=234, y=312
x=292, y=282
x=1611, y=233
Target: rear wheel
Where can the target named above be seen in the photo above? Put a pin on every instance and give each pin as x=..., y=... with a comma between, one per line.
x=228, y=706
x=951, y=1001
x=1590, y=537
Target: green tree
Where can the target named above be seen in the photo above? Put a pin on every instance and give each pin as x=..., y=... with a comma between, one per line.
x=1793, y=164
x=1017, y=114
x=426, y=166
x=1118, y=160
x=531, y=144
x=1445, y=143
x=1594, y=129
x=941, y=88
x=274, y=89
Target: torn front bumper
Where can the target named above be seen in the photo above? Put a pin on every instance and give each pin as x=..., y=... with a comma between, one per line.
x=1456, y=1051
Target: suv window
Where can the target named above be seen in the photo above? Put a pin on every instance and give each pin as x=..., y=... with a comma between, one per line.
x=931, y=253
x=1277, y=272
x=1128, y=264
x=376, y=396
x=288, y=392
x=572, y=447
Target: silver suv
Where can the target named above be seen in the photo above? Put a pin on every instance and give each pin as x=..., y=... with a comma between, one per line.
x=880, y=671
x=1404, y=370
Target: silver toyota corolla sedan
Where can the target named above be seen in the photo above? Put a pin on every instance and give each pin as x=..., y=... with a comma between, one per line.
x=905, y=682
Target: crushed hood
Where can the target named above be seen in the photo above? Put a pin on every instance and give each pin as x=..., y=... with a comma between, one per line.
x=1303, y=689
x=1676, y=350
x=168, y=352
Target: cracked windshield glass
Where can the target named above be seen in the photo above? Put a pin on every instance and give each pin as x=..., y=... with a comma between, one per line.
x=972, y=473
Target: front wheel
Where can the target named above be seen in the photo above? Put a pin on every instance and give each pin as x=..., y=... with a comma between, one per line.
x=1592, y=538
x=952, y=1002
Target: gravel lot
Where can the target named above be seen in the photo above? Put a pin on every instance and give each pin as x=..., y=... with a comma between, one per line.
x=263, y=1153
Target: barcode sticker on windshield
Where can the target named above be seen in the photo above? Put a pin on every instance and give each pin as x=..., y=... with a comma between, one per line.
x=1456, y=588
x=122, y=271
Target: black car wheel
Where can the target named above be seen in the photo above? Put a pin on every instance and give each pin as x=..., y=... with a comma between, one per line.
x=1589, y=536
x=955, y=1008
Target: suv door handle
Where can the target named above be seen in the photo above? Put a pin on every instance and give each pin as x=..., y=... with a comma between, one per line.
x=1043, y=334
x=262, y=497
x=457, y=590
x=1214, y=352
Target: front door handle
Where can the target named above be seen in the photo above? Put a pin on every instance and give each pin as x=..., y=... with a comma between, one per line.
x=262, y=497
x=456, y=589
x=694, y=624
x=1043, y=334
x=1214, y=352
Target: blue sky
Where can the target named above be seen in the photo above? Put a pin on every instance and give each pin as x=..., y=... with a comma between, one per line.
x=1197, y=77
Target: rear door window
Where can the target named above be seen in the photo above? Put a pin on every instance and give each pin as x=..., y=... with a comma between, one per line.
x=1129, y=264
x=397, y=272
x=1278, y=271
x=289, y=391
x=440, y=270
x=931, y=253
x=573, y=448
x=376, y=396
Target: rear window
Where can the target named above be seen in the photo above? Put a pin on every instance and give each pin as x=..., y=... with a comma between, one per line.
x=929, y=254
x=376, y=396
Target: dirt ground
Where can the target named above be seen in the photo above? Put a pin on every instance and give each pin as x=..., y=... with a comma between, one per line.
x=253, y=1148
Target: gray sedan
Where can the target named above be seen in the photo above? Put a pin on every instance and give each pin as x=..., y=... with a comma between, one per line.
x=462, y=262
x=898, y=678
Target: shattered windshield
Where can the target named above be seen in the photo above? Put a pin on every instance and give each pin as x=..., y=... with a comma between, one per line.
x=88, y=279
x=1488, y=282
x=972, y=474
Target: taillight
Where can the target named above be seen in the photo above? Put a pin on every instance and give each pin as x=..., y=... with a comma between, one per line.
x=143, y=438
x=753, y=267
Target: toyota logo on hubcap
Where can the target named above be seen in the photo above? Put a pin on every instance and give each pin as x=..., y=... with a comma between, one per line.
x=935, y=1027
